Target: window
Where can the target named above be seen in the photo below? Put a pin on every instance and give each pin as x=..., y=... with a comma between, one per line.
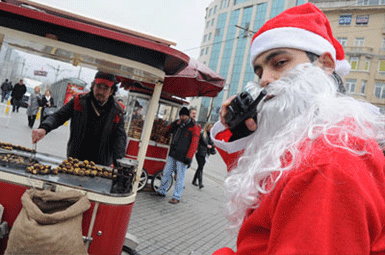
x=215, y=9
x=350, y=85
x=343, y=41
x=367, y=64
x=362, y=19
x=345, y=20
x=217, y=32
x=359, y=41
x=210, y=11
x=202, y=52
x=354, y=61
x=209, y=38
x=207, y=50
x=246, y=30
x=370, y=2
x=363, y=2
x=212, y=22
x=379, y=90
x=207, y=24
x=204, y=38
x=381, y=66
x=363, y=86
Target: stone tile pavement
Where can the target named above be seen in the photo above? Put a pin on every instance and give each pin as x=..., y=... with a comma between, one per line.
x=196, y=225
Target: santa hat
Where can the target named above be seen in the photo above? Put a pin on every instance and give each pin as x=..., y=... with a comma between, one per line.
x=302, y=27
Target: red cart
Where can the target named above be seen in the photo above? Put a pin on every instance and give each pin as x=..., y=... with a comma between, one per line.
x=158, y=147
x=133, y=57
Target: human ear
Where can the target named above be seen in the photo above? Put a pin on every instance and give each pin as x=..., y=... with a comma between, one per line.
x=326, y=62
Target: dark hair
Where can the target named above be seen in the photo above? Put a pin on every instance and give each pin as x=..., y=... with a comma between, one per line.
x=107, y=76
x=184, y=111
x=341, y=88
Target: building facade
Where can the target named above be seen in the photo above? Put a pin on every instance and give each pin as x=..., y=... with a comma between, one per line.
x=230, y=26
x=359, y=25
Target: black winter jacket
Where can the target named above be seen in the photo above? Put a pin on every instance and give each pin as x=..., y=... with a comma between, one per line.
x=202, y=146
x=112, y=144
x=18, y=91
x=185, y=142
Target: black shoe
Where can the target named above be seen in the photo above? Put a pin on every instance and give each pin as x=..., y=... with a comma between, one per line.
x=201, y=186
x=194, y=183
x=157, y=194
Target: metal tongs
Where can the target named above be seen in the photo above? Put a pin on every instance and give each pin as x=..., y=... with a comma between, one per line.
x=33, y=152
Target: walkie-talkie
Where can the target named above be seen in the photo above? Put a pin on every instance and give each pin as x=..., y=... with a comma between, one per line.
x=242, y=107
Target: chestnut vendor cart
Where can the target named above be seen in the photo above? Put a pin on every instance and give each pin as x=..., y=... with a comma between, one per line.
x=158, y=146
x=135, y=58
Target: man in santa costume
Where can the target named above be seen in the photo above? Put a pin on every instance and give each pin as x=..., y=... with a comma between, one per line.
x=310, y=177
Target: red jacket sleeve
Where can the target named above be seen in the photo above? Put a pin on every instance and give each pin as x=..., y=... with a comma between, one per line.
x=194, y=142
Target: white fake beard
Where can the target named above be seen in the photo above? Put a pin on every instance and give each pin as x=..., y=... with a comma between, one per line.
x=283, y=122
x=293, y=94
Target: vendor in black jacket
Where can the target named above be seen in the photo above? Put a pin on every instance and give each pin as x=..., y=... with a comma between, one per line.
x=97, y=123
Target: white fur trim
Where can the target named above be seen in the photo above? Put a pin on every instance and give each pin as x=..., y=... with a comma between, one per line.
x=342, y=67
x=229, y=147
x=290, y=37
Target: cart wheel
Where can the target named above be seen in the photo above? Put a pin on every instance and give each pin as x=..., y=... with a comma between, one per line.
x=143, y=180
x=155, y=183
x=129, y=251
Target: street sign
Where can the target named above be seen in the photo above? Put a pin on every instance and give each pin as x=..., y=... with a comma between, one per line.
x=40, y=73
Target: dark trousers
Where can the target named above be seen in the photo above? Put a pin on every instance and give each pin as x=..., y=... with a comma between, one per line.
x=31, y=120
x=199, y=172
x=16, y=104
x=4, y=96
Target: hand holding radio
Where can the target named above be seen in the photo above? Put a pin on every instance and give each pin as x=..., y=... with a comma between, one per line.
x=242, y=107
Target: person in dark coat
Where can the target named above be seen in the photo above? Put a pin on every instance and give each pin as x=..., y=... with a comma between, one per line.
x=17, y=95
x=97, y=123
x=6, y=89
x=183, y=146
x=205, y=148
x=46, y=102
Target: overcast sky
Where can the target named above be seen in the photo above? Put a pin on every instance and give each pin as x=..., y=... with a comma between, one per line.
x=181, y=21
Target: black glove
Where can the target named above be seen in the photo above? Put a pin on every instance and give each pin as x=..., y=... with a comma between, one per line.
x=187, y=161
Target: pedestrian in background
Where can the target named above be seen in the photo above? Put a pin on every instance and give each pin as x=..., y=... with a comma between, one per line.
x=18, y=92
x=6, y=89
x=183, y=146
x=205, y=148
x=33, y=106
x=193, y=114
x=46, y=102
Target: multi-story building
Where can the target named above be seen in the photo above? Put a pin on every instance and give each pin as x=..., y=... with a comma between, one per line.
x=359, y=25
x=230, y=26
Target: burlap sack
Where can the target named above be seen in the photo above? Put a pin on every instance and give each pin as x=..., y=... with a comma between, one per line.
x=49, y=223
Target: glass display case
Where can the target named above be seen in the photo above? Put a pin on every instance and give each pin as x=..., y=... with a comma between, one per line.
x=136, y=114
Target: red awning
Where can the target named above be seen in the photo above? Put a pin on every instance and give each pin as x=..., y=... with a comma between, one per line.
x=194, y=80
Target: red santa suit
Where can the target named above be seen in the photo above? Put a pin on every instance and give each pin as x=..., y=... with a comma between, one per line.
x=332, y=203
